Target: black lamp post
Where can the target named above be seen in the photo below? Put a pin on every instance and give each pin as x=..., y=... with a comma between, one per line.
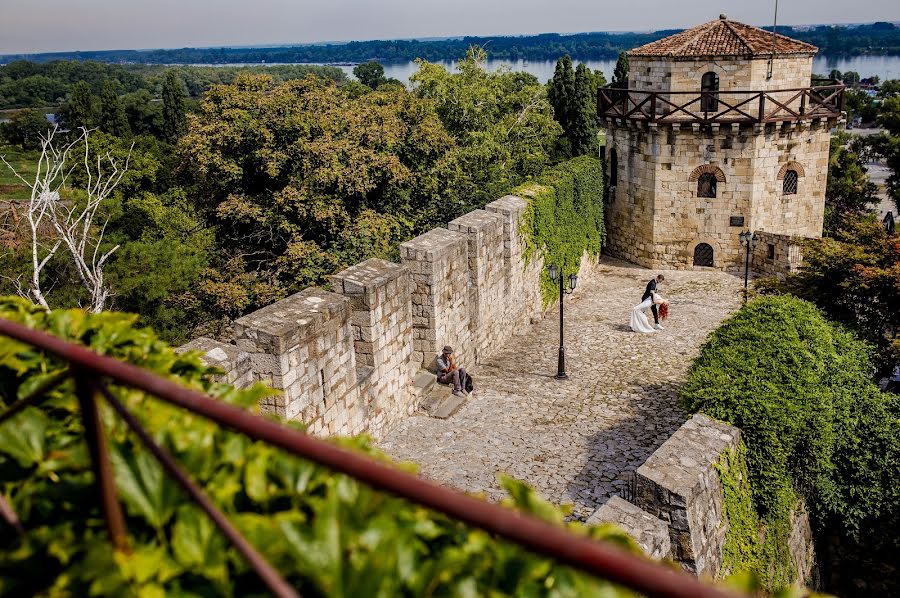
x=750, y=241
x=557, y=274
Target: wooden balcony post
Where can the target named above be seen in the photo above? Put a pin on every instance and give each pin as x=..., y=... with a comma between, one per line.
x=762, y=107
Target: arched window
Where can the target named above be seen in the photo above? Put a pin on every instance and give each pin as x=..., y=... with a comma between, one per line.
x=790, y=182
x=703, y=255
x=709, y=100
x=706, y=185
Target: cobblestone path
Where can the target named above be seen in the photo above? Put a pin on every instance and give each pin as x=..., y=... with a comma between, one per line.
x=575, y=440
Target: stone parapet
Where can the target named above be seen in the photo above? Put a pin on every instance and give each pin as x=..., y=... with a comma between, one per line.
x=680, y=484
x=234, y=363
x=776, y=255
x=438, y=264
x=650, y=532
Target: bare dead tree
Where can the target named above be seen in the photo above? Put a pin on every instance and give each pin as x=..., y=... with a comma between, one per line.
x=72, y=222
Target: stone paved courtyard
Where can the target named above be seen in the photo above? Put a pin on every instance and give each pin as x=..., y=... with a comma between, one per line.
x=575, y=440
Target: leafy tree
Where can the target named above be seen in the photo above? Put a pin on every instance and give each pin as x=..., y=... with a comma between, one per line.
x=173, y=111
x=145, y=117
x=620, y=73
x=583, y=127
x=889, y=88
x=836, y=75
x=301, y=179
x=370, y=73
x=501, y=121
x=113, y=119
x=889, y=118
x=850, y=78
x=25, y=128
x=561, y=95
x=81, y=109
x=814, y=424
x=849, y=192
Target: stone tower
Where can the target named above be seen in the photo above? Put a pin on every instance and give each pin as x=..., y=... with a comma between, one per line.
x=720, y=130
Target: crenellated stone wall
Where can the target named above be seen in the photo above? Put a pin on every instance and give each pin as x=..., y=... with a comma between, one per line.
x=345, y=361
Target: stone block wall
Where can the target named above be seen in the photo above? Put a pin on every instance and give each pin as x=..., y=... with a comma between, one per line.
x=651, y=533
x=381, y=323
x=345, y=361
x=655, y=217
x=776, y=255
x=438, y=264
x=303, y=346
x=487, y=284
x=680, y=485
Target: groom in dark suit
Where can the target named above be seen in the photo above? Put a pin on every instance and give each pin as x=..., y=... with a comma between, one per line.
x=651, y=287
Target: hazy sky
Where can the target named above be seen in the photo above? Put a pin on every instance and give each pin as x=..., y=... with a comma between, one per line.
x=52, y=25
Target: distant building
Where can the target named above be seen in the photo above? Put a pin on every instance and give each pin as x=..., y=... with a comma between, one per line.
x=718, y=132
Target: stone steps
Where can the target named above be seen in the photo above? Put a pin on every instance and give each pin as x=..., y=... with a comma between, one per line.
x=439, y=400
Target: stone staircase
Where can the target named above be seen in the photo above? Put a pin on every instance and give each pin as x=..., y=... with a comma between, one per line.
x=437, y=400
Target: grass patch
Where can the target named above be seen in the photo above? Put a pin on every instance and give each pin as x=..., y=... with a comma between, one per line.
x=25, y=162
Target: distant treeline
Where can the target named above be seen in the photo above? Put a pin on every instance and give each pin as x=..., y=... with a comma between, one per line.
x=872, y=39
x=31, y=84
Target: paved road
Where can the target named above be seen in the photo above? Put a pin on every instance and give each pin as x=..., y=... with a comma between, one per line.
x=575, y=440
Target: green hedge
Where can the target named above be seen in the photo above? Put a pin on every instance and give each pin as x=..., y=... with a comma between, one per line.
x=564, y=218
x=814, y=424
x=327, y=534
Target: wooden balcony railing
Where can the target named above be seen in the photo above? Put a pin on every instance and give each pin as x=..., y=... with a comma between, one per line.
x=724, y=107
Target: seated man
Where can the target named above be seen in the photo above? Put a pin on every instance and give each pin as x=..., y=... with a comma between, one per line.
x=448, y=372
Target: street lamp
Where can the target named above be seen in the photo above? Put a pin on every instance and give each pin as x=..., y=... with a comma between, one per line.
x=750, y=241
x=557, y=274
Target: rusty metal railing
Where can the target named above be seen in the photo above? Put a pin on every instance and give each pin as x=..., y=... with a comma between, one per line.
x=89, y=370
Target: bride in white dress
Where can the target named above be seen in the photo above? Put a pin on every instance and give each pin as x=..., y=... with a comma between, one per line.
x=639, y=320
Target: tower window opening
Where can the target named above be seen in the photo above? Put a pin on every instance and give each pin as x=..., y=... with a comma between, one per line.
x=790, y=182
x=706, y=185
x=709, y=88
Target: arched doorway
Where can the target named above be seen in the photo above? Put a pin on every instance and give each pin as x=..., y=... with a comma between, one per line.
x=703, y=255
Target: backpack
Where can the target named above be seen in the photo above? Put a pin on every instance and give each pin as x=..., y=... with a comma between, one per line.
x=468, y=385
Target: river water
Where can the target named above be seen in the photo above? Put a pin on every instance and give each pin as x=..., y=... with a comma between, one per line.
x=886, y=67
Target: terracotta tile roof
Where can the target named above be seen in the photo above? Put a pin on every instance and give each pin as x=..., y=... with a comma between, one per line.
x=723, y=38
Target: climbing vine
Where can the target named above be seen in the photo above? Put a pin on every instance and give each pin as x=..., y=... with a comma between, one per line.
x=564, y=218
x=754, y=547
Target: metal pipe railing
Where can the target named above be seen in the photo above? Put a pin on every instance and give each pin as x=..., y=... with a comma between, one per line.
x=597, y=558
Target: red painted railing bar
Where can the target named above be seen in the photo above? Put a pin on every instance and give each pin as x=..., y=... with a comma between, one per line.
x=36, y=395
x=103, y=473
x=600, y=559
x=276, y=584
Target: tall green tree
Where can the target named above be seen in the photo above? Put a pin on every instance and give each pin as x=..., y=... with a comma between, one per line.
x=370, y=74
x=849, y=192
x=620, y=73
x=582, y=131
x=173, y=96
x=889, y=145
x=113, y=119
x=561, y=93
x=81, y=109
x=25, y=128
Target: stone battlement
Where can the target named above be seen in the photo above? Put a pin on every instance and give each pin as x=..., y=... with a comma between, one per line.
x=344, y=361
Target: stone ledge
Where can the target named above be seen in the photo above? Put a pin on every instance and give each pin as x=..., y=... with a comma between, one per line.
x=215, y=353
x=432, y=245
x=277, y=327
x=476, y=221
x=651, y=533
x=366, y=276
x=680, y=462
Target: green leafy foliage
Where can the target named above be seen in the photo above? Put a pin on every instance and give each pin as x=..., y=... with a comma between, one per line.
x=326, y=533
x=564, y=218
x=754, y=546
x=814, y=424
x=25, y=129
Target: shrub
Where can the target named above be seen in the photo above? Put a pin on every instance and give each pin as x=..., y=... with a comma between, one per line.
x=326, y=533
x=814, y=424
x=564, y=218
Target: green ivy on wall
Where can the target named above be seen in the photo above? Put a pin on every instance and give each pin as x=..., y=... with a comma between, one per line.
x=564, y=218
x=755, y=549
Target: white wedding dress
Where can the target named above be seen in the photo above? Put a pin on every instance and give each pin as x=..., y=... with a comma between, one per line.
x=639, y=320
